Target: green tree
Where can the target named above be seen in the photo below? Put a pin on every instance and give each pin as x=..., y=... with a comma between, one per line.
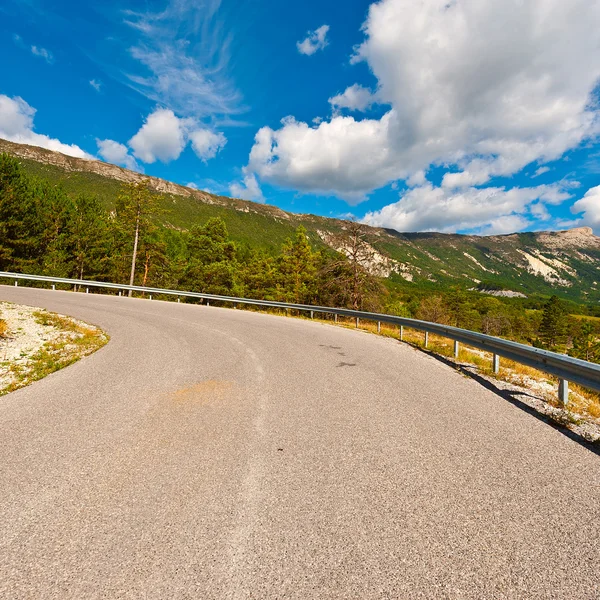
x=88, y=230
x=586, y=345
x=297, y=267
x=135, y=208
x=211, y=265
x=554, y=324
x=258, y=276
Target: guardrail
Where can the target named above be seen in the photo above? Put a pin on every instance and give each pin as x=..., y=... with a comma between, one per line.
x=566, y=368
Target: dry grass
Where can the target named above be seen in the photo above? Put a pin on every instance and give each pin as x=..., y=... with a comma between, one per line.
x=3, y=328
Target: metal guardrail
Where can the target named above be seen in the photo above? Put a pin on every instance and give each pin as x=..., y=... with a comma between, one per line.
x=566, y=368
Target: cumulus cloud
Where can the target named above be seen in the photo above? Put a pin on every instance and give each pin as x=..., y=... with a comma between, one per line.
x=589, y=205
x=164, y=135
x=356, y=97
x=116, y=153
x=342, y=156
x=490, y=210
x=248, y=190
x=314, y=41
x=161, y=137
x=43, y=53
x=16, y=125
x=206, y=143
x=480, y=86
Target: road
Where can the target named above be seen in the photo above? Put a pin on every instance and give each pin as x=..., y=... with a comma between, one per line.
x=216, y=453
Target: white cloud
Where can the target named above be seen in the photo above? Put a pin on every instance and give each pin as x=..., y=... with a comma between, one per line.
x=417, y=178
x=184, y=51
x=342, y=156
x=541, y=171
x=481, y=86
x=16, y=125
x=248, y=190
x=116, y=153
x=164, y=136
x=206, y=143
x=489, y=210
x=161, y=137
x=97, y=85
x=356, y=97
x=192, y=185
x=589, y=205
x=315, y=40
x=42, y=53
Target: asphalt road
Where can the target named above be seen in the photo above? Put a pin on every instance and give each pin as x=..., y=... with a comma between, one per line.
x=213, y=453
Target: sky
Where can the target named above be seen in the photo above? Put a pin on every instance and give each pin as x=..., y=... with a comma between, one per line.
x=469, y=116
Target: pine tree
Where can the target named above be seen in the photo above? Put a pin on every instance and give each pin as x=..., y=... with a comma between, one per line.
x=211, y=264
x=136, y=206
x=553, y=328
x=297, y=266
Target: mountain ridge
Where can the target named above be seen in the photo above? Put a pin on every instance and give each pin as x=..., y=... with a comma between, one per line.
x=566, y=262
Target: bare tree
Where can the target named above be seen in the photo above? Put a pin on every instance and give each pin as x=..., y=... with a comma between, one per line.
x=352, y=275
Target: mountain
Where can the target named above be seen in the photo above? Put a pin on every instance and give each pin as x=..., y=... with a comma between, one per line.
x=566, y=263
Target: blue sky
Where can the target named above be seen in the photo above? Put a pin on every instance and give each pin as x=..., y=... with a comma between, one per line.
x=470, y=115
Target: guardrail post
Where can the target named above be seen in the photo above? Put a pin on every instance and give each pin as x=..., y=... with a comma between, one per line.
x=53, y=288
x=150, y=296
x=120, y=293
x=178, y=299
x=16, y=283
x=496, y=364
x=357, y=322
x=456, y=349
x=87, y=290
x=563, y=392
x=312, y=314
x=207, y=302
x=426, y=339
x=378, y=326
x=401, y=333
x=335, y=317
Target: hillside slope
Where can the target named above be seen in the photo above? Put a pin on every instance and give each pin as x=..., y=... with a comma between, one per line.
x=566, y=262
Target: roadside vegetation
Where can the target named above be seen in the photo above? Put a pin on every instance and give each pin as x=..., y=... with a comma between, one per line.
x=36, y=343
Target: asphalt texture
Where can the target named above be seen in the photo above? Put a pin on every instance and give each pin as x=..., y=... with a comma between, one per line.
x=217, y=453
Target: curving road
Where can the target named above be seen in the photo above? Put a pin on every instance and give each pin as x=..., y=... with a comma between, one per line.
x=212, y=453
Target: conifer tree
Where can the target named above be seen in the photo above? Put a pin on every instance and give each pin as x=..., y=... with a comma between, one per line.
x=136, y=206
x=553, y=328
x=297, y=268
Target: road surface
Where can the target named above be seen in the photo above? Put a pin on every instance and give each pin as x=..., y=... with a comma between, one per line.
x=213, y=453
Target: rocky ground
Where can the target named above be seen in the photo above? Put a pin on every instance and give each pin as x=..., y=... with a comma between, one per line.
x=36, y=342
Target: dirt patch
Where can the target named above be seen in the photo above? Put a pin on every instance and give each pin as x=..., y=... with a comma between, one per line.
x=212, y=389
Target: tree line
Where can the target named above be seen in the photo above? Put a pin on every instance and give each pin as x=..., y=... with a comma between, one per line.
x=45, y=231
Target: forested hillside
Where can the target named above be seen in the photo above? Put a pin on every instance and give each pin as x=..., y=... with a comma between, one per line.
x=45, y=228
x=565, y=263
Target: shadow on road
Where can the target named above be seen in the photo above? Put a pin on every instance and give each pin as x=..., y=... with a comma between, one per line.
x=512, y=397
